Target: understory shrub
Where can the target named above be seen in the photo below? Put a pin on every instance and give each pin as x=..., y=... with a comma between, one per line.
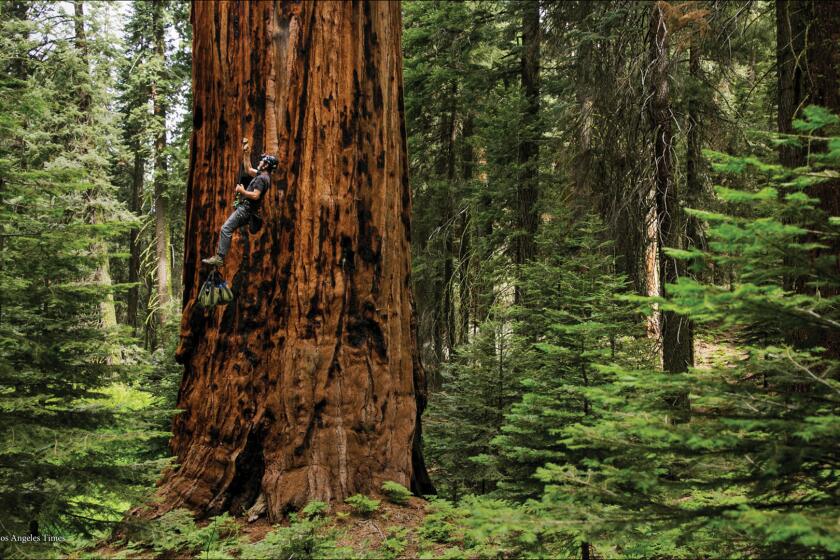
x=362, y=505
x=395, y=492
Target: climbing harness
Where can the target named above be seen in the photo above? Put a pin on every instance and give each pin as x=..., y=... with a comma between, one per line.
x=214, y=291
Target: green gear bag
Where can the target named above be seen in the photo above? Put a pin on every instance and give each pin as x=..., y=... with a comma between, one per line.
x=225, y=293
x=205, y=296
x=214, y=291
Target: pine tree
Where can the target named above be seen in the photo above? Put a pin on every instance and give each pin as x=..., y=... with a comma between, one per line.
x=479, y=385
x=67, y=455
x=571, y=312
x=446, y=71
x=153, y=77
x=752, y=472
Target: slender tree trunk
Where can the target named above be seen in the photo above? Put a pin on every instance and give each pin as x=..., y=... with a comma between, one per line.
x=675, y=329
x=791, y=29
x=464, y=279
x=653, y=285
x=651, y=263
x=464, y=233
x=693, y=180
x=308, y=385
x=483, y=299
x=102, y=274
x=527, y=191
x=445, y=168
x=694, y=145
x=584, y=198
x=161, y=203
x=448, y=312
x=134, y=244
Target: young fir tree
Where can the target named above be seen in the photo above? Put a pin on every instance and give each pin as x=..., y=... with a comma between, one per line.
x=753, y=473
x=479, y=386
x=571, y=313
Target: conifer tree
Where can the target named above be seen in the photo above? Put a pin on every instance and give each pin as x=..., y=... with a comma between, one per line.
x=67, y=456
x=479, y=385
x=570, y=308
x=445, y=72
x=152, y=79
x=753, y=471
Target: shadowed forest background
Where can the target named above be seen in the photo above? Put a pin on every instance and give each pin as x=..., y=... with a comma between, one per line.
x=625, y=247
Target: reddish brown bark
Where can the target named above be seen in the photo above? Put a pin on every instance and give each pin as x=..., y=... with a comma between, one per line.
x=307, y=386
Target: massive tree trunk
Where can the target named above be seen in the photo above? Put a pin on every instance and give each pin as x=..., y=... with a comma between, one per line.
x=677, y=354
x=307, y=386
x=161, y=203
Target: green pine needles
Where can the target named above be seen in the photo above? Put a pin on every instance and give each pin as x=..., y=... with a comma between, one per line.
x=572, y=320
x=396, y=492
x=595, y=452
x=70, y=433
x=753, y=471
x=362, y=505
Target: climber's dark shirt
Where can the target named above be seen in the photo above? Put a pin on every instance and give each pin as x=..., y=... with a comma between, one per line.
x=259, y=183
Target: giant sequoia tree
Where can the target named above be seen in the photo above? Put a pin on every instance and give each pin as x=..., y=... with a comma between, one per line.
x=307, y=386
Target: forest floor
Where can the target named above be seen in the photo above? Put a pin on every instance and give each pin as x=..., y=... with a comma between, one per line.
x=392, y=531
x=710, y=352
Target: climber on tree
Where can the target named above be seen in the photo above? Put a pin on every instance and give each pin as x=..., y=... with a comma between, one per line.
x=247, y=201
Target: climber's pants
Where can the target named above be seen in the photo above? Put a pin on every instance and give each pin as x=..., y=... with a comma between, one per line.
x=240, y=217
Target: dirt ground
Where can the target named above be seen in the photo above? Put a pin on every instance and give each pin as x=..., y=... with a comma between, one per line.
x=364, y=535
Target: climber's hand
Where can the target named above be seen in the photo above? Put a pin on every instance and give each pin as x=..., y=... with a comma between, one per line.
x=246, y=158
x=240, y=189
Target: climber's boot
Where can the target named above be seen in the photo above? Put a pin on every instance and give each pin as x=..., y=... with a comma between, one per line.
x=215, y=260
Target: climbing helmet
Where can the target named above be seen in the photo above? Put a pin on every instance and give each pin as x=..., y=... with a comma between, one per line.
x=270, y=161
